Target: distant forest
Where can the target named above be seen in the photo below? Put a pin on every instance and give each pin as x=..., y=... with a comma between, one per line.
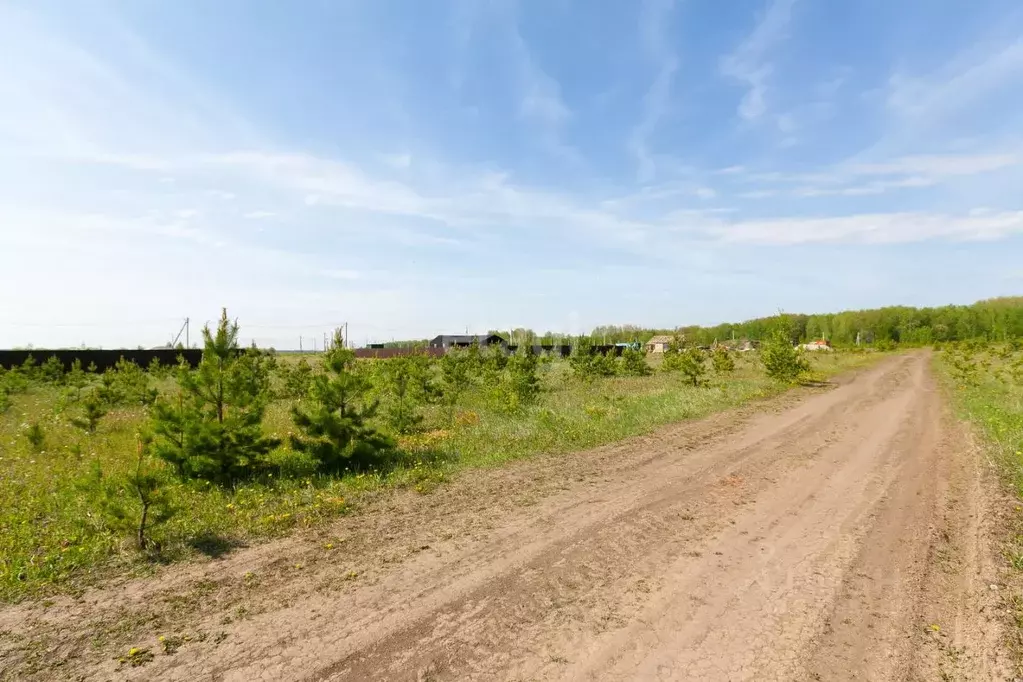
x=993, y=319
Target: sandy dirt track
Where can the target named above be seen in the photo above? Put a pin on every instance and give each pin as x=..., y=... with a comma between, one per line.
x=838, y=534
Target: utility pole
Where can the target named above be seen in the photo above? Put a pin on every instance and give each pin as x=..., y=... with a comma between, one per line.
x=300, y=344
x=188, y=344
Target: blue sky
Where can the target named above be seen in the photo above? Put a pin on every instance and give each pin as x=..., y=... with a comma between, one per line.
x=416, y=168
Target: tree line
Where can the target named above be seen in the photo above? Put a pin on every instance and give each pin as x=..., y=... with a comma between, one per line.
x=995, y=319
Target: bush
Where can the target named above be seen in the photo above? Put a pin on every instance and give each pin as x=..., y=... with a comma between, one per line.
x=36, y=436
x=782, y=361
x=885, y=345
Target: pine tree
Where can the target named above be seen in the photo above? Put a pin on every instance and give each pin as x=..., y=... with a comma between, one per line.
x=782, y=360
x=691, y=365
x=77, y=378
x=213, y=429
x=52, y=371
x=673, y=354
x=523, y=381
x=455, y=376
x=134, y=502
x=93, y=410
x=722, y=361
x=296, y=380
x=634, y=363
x=582, y=357
x=334, y=423
x=402, y=383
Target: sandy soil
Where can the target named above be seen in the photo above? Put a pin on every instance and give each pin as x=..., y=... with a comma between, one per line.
x=830, y=534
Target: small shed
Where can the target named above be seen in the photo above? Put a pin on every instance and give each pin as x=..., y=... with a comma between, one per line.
x=658, y=344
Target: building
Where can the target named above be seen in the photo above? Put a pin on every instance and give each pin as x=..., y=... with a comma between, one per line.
x=658, y=344
x=446, y=341
x=819, y=344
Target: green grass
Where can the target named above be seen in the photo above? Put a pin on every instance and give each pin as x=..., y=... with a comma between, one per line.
x=987, y=389
x=51, y=538
x=991, y=397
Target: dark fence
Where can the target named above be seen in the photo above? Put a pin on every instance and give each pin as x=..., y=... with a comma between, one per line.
x=563, y=351
x=384, y=353
x=103, y=359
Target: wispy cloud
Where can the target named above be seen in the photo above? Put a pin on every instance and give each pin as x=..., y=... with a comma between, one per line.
x=940, y=165
x=857, y=178
x=881, y=228
x=750, y=63
x=654, y=19
x=959, y=84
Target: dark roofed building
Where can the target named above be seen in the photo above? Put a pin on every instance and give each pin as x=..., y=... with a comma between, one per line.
x=465, y=341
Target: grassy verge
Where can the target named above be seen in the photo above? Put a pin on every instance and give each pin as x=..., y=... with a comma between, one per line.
x=50, y=536
x=986, y=390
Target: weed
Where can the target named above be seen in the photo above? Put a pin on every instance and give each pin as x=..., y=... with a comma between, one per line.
x=36, y=436
x=137, y=657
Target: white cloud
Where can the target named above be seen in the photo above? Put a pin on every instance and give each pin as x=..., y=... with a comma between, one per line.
x=259, y=215
x=750, y=62
x=881, y=228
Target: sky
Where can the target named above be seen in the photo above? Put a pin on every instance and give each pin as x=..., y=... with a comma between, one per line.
x=417, y=168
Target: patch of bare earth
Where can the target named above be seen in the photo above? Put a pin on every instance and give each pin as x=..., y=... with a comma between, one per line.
x=824, y=535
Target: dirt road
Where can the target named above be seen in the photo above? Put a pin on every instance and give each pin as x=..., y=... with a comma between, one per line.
x=827, y=535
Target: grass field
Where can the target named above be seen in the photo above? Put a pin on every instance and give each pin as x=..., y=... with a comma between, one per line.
x=986, y=383
x=51, y=536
